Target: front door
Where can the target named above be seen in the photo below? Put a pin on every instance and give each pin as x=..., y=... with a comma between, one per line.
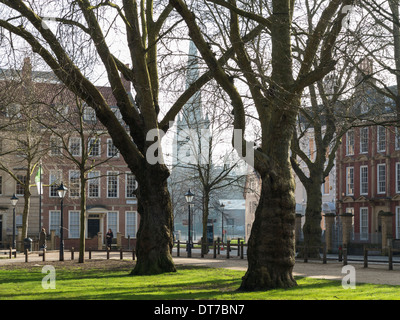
x=93, y=227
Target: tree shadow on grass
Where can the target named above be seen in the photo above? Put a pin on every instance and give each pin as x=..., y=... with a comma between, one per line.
x=189, y=282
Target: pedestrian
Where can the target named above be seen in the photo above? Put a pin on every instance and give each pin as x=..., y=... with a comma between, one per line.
x=42, y=239
x=109, y=237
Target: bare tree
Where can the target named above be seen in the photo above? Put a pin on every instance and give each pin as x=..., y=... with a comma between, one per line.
x=21, y=137
x=276, y=97
x=83, y=28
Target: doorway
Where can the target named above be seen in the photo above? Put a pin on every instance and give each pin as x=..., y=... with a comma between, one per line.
x=93, y=227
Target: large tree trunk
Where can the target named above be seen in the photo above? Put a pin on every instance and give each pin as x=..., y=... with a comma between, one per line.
x=271, y=251
x=271, y=245
x=154, y=237
x=312, y=226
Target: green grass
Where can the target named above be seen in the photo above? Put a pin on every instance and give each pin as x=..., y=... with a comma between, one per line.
x=187, y=283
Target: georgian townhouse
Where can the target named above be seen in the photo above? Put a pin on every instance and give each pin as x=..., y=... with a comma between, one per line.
x=110, y=188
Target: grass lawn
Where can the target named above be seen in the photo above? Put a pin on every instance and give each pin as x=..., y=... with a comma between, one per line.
x=188, y=283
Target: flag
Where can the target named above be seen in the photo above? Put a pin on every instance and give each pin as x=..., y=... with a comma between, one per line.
x=38, y=180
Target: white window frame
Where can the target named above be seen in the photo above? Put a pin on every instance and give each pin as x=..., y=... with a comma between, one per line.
x=380, y=139
x=379, y=181
x=97, y=143
x=94, y=176
x=72, y=184
x=111, y=175
x=52, y=225
x=364, y=223
x=89, y=114
x=110, y=147
x=129, y=175
x=114, y=228
x=135, y=226
x=363, y=183
x=20, y=186
x=55, y=176
x=350, y=142
x=55, y=144
x=348, y=170
x=72, y=151
x=74, y=229
x=364, y=139
x=397, y=139
x=397, y=177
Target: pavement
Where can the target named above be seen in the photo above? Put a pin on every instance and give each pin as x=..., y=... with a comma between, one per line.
x=376, y=273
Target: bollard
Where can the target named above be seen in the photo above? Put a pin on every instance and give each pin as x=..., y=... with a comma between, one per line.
x=305, y=254
x=324, y=254
x=44, y=254
x=215, y=250
x=10, y=252
x=390, y=258
x=108, y=253
x=365, y=257
x=344, y=255
x=202, y=248
x=90, y=253
x=241, y=250
x=72, y=253
x=121, y=255
x=219, y=246
x=133, y=254
x=228, y=248
x=26, y=255
x=179, y=248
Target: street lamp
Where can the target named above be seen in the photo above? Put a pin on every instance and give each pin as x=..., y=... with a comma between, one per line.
x=14, y=201
x=61, y=190
x=189, y=198
x=222, y=222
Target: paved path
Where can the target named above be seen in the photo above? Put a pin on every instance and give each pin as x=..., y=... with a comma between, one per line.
x=375, y=273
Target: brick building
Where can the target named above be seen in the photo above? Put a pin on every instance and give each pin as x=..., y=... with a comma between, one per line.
x=111, y=202
x=368, y=181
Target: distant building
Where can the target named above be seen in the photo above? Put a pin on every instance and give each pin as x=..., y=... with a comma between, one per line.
x=192, y=152
x=111, y=202
x=368, y=168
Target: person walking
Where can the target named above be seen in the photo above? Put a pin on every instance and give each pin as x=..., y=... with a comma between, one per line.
x=109, y=237
x=42, y=241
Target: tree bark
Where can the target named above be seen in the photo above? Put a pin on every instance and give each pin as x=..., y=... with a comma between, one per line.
x=155, y=236
x=206, y=199
x=82, y=238
x=271, y=246
x=312, y=226
x=271, y=255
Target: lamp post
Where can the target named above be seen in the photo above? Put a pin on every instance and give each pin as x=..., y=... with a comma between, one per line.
x=61, y=190
x=189, y=198
x=14, y=201
x=222, y=222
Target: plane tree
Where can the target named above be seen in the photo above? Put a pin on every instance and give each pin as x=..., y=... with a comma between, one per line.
x=275, y=92
x=61, y=33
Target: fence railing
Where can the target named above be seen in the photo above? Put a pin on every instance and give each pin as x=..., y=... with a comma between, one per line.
x=216, y=248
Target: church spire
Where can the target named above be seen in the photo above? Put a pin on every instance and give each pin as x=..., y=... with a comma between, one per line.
x=191, y=112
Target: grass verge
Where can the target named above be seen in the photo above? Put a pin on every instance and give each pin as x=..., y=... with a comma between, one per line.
x=187, y=283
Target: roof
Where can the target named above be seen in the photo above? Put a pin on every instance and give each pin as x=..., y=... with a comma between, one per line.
x=233, y=204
